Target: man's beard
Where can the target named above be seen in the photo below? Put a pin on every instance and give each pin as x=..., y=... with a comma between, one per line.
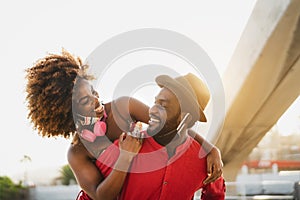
x=164, y=128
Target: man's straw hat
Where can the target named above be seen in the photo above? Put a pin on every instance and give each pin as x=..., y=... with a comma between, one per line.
x=192, y=94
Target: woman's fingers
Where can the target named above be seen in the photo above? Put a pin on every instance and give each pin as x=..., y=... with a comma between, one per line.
x=130, y=143
x=122, y=137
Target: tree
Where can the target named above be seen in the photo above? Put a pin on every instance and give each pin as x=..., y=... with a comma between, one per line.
x=9, y=190
x=26, y=159
x=66, y=175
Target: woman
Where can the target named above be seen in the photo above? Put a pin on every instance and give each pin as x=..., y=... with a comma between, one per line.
x=58, y=85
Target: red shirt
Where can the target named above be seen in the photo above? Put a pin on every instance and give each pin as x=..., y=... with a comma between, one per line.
x=154, y=176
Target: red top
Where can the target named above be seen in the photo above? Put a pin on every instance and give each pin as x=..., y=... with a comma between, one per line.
x=154, y=176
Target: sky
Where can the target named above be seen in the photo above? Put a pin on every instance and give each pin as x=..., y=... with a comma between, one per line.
x=31, y=29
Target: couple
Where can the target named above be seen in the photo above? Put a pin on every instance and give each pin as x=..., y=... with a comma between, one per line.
x=58, y=85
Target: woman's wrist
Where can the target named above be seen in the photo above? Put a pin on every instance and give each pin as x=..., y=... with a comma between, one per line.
x=126, y=156
x=124, y=161
x=215, y=150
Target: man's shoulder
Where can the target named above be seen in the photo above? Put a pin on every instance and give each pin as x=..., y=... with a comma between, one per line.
x=192, y=134
x=193, y=147
x=191, y=138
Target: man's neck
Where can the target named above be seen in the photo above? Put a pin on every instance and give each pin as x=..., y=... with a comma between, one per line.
x=164, y=139
x=171, y=140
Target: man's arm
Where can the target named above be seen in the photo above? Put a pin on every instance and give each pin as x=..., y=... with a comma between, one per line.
x=214, y=160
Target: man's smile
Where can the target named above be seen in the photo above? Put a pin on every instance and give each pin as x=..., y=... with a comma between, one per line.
x=153, y=120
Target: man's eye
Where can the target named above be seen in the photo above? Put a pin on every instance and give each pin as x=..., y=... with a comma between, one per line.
x=161, y=106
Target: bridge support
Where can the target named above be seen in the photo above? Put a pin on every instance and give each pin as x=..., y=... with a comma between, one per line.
x=262, y=79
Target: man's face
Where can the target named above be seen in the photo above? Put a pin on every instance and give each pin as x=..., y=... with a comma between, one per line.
x=165, y=114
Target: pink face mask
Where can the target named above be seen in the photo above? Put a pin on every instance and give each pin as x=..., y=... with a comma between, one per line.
x=99, y=127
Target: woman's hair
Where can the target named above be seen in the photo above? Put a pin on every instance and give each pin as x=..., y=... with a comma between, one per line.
x=50, y=83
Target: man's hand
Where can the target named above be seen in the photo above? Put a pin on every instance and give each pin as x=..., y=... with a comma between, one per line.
x=214, y=165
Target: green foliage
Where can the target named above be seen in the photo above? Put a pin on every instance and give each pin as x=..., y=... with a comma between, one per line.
x=9, y=190
x=66, y=175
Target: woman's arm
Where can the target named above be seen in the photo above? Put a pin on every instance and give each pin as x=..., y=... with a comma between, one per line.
x=132, y=109
x=214, y=160
x=89, y=177
x=139, y=111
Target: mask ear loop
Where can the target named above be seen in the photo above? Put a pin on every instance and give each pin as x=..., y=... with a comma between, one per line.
x=184, y=122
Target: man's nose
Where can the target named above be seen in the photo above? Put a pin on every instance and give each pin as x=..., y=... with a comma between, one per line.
x=153, y=110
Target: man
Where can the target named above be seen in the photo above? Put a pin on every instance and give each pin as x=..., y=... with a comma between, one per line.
x=170, y=164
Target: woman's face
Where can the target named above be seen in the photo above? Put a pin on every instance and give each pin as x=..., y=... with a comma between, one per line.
x=86, y=100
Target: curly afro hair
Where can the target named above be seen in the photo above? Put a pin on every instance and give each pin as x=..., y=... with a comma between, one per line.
x=49, y=88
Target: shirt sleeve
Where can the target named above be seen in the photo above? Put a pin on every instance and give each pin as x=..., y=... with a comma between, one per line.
x=214, y=191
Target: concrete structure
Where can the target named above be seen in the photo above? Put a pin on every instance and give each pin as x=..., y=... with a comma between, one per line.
x=262, y=79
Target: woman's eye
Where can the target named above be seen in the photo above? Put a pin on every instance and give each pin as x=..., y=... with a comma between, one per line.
x=84, y=101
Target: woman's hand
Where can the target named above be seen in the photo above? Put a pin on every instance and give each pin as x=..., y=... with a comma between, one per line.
x=129, y=145
x=214, y=165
